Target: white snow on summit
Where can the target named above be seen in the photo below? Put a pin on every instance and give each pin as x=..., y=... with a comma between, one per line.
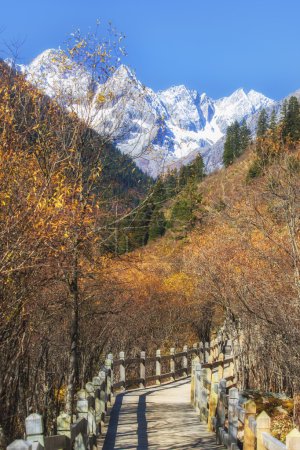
x=157, y=129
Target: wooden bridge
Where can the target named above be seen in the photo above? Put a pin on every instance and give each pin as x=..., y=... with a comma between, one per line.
x=184, y=400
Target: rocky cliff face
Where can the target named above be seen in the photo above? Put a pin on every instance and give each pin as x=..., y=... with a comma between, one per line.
x=158, y=129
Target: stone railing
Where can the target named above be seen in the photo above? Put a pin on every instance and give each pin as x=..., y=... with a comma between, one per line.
x=145, y=370
x=219, y=403
x=86, y=428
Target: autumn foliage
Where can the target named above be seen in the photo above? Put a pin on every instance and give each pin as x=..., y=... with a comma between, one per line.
x=230, y=252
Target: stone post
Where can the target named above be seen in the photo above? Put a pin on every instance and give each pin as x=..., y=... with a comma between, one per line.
x=195, y=361
x=97, y=387
x=228, y=364
x=19, y=444
x=263, y=425
x=103, y=402
x=63, y=425
x=205, y=378
x=201, y=352
x=110, y=356
x=293, y=440
x=249, y=438
x=213, y=398
x=206, y=352
x=92, y=421
x=233, y=419
x=158, y=366
x=221, y=413
x=185, y=361
x=195, y=349
x=143, y=370
x=82, y=405
x=103, y=399
x=172, y=363
x=108, y=367
x=197, y=386
x=122, y=370
x=34, y=428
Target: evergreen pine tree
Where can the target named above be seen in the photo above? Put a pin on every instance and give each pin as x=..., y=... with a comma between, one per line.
x=273, y=124
x=245, y=137
x=273, y=121
x=158, y=193
x=157, y=225
x=237, y=140
x=291, y=120
x=262, y=124
x=197, y=168
x=284, y=109
x=170, y=183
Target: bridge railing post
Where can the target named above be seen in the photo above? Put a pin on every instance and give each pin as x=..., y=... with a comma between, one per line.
x=195, y=361
x=263, y=425
x=35, y=428
x=185, y=361
x=197, y=391
x=249, y=437
x=213, y=398
x=293, y=440
x=63, y=425
x=91, y=417
x=229, y=365
x=142, y=383
x=97, y=385
x=233, y=419
x=158, y=366
x=110, y=356
x=221, y=412
x=122, y=370
x=20, y=444
x=103, y=397
x=195, y=349
x=82, y=404
x=206, y=352
x=201, y=352
x=172, y=363
x=108, y=367
x=205, y=376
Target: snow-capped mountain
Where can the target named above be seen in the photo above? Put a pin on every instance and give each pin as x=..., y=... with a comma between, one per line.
x=158, y=129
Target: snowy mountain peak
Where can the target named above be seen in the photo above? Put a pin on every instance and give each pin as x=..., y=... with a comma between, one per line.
x=258, y=100
x=238, y=93
x=47, y=60
x=203, y=97
x=124, y=72
x=158, y=129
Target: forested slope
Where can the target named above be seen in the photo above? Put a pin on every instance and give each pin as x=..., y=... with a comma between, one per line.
x=97, y=258
x=234, y=256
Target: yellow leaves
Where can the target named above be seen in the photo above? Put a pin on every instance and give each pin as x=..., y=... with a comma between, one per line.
x=100, y=98
x=96, y=173
x=179, y=282
x=60, y=394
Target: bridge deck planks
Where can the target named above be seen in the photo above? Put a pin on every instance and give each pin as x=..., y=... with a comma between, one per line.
x=157, y=418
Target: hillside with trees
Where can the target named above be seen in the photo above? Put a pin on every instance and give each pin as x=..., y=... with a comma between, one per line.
x=97, y=257
x=239, y=263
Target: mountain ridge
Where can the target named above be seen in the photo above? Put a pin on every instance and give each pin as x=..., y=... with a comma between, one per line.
x=158, y=129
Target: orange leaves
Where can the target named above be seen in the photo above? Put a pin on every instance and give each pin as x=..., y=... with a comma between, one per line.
x=179, y=283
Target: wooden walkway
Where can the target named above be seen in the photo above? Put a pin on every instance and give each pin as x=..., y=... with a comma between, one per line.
x=157, y=418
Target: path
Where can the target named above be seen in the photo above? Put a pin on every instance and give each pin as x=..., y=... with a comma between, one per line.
x=158, y=418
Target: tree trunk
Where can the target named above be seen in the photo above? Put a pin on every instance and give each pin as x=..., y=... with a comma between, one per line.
x=73, y=381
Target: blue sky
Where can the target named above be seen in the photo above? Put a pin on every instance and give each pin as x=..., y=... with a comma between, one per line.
x=214, y=46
